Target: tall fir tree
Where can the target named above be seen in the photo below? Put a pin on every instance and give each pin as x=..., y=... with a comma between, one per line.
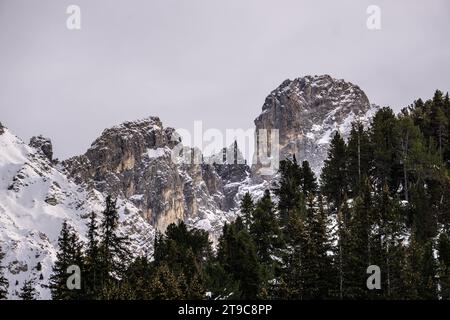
x=308, y=181
x=185, y=252
x=265, y=229
x=113, y=251
x=386, y=160
x=334, y=182
x=247, y=207
x=238, y=256
x=317, y=264
x=92, y=278
x=359, y=157
x=69, y=254
x=288, y=190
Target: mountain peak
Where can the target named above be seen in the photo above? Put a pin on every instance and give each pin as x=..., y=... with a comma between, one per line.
x=307, y=110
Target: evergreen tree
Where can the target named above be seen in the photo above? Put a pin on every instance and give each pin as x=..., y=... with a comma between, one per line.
x=138, y=280
x=342, y=249
x=113, y=250
x=237, y=255
x=288, y=190
x=185, y=252
x=247, y=207
x=334, y=173
x=294, y=271
x=387, y=249
x=444, y=266
x=92, y=278
x=165, y=285
x=308, y=182
x=3, y=281
x=265, y=230
x=70, y=253
x=357, y=245
x=439, y=122
x=428, y=279
x=28, y=291
x=359, y=157
x=386, y=160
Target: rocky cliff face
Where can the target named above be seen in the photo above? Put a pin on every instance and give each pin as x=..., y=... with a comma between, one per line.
x=307, y=111
x=134, y=161
x=43, y=145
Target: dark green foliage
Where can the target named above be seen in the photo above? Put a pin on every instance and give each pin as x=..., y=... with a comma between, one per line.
x=28, y=290
x=237, y=255
x=264, y=230
x=3, y=281
x=359, y=158
x=247, y=207
x=444, y=265
x=288, y=191
x=92, y=278
x=70, y=253
x=113, y=248
x=384, y=137
x=334, y=179
x=184, y=252
x=383, y=199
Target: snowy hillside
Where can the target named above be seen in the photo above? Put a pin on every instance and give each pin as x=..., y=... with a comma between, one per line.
x=35, y=199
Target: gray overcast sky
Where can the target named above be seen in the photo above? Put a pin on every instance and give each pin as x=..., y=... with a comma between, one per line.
x=210, y=60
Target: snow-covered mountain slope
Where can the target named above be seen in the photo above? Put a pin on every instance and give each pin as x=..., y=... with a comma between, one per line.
x=35, y=198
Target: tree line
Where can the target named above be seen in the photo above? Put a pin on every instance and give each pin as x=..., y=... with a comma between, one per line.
x=382, y=199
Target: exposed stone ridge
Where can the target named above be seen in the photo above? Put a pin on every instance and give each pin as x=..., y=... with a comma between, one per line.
x=307, y=111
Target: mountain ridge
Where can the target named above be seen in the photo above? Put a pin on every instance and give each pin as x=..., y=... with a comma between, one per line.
x=132, y=161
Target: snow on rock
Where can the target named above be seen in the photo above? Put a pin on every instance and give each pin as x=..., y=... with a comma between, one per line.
x=35, y=199
x=308, y=110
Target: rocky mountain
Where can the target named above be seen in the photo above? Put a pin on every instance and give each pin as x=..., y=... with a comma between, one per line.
x=134, y=161
x=139, y=163
x=307, y=111
x=36, y=196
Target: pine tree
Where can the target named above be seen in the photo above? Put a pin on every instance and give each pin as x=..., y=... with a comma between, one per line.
x=185, y=252
x=265, y=230
x=247, y=207
x=237, y=255
x=387, y=249
x=28, y=291
x=386, y=160
x=136, y=284
x=357, y=244
x=317, y=264
x=334, y=173
x=113, y=249
x=294, y=273
x=308, y=182
x=359, y=157
x=447, y=144
x=165, y=285
x=3, y=281
x=428, y=280
x=70, y=253
x=288, y=190
x=439, y=122
x=92, y=284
